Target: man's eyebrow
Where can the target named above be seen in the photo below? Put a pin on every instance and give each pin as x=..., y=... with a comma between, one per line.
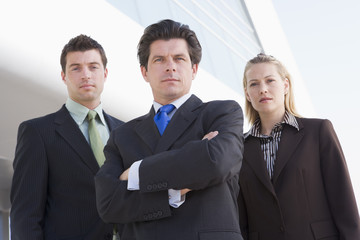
x=95, y=63
x=90, y=63
x=74, y=64
x=156, y=56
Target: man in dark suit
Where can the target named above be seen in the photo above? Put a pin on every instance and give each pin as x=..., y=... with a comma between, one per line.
x=53, y=192
x=181, y=182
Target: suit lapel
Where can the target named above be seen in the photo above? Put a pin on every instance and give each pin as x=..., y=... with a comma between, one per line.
x=68, y=129
x=109, y=121
x=254, y=157
x=181, y=120
x=290, y=139
x=184, y=116
x=147, y=130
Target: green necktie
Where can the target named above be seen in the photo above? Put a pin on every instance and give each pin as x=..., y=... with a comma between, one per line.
x=98, y=148
x=95, y=140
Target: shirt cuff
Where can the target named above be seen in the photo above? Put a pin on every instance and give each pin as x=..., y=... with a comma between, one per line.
x=133, y=178
x=175, y=198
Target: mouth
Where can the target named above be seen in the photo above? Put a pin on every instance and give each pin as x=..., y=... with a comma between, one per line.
x=87, y=86
x=265, y=99
x=170, y=80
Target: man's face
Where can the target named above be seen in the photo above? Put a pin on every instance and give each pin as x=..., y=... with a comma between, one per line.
x=85, y=77
x=169, y=70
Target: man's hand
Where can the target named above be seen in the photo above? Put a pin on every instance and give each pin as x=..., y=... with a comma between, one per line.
x=125, y=175
x=184, y=191
x=210, y=135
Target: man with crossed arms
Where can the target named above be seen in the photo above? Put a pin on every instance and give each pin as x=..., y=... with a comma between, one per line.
x=174, y=183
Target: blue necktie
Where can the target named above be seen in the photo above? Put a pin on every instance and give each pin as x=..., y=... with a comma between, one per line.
x=162, y=119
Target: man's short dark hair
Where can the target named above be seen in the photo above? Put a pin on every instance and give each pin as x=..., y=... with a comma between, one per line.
x=81, y=43
x=166, y=30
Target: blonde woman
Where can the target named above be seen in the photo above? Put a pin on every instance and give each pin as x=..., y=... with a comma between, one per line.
x=294, y=180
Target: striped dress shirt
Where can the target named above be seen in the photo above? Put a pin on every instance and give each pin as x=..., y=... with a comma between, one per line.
x=270, y=144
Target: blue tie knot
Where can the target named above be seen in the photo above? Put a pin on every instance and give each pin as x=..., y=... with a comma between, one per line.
x=167, y=108
x=162, y=119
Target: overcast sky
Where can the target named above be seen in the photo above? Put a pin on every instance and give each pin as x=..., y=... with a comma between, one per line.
x=324, y=36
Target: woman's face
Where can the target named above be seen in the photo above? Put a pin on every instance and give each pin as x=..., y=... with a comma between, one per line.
x=266, y=89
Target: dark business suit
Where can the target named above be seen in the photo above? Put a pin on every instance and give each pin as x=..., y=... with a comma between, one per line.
x=310, y=196
x=178, y=159
x=53, y=192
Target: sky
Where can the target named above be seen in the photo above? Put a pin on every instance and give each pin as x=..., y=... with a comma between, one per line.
x=324, y=36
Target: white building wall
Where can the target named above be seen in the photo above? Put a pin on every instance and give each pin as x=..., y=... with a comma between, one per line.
x=33, y=34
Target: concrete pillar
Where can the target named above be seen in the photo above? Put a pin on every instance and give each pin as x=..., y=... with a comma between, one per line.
x=6, y=173
x=4, y=225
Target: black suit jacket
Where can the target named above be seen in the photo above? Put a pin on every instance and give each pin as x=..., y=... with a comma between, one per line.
x=310, y=196
x=53, y=192
x=176, y=160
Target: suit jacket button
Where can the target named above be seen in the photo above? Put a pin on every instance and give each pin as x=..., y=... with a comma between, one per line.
x=154, y=186
x=149, y=187
x=160, y=213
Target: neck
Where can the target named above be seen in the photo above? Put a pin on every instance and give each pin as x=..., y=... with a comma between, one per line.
x=268, y=121
x=90, y=104
x=165, y=101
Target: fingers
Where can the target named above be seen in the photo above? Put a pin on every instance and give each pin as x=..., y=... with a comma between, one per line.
x=210, y=135
x=125, y=175
x=184, y=191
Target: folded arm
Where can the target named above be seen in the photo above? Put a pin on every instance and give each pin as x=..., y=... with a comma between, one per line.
x=197, y=164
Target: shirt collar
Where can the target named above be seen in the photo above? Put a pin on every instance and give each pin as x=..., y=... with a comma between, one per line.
x=289, y=119
x=79, y=112
x=177, y=103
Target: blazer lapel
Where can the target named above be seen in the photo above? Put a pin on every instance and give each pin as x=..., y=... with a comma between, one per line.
x=290, y=139
x=109, y=121
x=254, y=157
x=147, y=130
x=181, y=120
x=68, y=129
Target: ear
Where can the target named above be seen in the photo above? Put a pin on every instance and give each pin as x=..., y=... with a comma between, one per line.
x=286, y=86
x=105, y=74
x=144, y=73
x=194, y=70
x=63, y=77
x=247, y=95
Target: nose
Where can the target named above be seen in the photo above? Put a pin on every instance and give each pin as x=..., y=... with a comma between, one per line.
x=263, y=88
x=170, y=67
x=85, y=73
